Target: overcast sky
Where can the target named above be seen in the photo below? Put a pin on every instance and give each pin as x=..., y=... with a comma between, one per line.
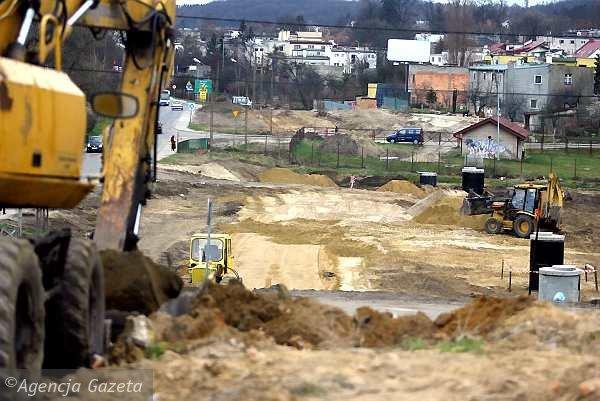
x=521, y=2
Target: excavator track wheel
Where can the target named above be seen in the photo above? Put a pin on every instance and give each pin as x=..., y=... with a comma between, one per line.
x=493, y=226
x=523, y=226
x=21, y=307
x=76, y=315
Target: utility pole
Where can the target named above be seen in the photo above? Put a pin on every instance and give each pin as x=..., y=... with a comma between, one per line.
x=223, y=59
x=210, y=129
x=246, y=127
x=498, y=113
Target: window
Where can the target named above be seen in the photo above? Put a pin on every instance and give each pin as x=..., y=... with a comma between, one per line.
x=322, y=47
x=568, y=79
x=484, y=75
x=533, y=104
x=296, y=47
x=561, y=41
x=537, y=80
x=215, y=250
x=572, y=42
x=311, y=46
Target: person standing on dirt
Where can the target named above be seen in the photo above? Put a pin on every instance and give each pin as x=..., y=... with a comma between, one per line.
x=173, y=143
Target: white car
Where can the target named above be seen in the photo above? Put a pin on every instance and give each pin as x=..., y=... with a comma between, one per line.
x=175, y=105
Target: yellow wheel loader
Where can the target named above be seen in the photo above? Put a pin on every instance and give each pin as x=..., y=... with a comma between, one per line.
x=217, y=251
x=528, y=206
x=58, y=279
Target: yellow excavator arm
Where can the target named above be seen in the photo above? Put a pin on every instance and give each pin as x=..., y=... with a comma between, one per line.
x=43, y=113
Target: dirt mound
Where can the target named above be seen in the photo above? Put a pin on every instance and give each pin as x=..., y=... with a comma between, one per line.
x=481, y=316
x=284, y=176
x=133, y=282
x=383, y=330
x=226, y=310
x=446, y=211
x=402, y=187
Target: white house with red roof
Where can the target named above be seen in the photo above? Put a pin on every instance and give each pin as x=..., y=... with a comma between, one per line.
x=590, y=50
x=481, y=139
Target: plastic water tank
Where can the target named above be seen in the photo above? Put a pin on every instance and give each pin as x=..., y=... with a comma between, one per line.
x=560, y=283
x=473, y=179
x=427, y=178
x=548, y=250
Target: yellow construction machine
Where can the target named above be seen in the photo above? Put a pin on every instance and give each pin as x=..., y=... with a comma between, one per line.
x=59, y=278
x=528, y=206
x=216, y=249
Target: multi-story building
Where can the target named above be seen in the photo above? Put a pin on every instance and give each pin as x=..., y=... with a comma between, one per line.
x=527, y=90
x=350, y=57
x=569, y=45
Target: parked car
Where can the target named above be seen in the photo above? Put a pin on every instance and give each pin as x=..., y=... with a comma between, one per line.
x=94, y=144
x=176, y=105
x=165, y=98
x=411, y=135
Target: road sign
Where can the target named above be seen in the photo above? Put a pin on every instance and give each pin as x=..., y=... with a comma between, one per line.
x=191, y=106
x=235, y=113
x=203, y=94
x=203, y=83
x=189, y=87
x=174, y=87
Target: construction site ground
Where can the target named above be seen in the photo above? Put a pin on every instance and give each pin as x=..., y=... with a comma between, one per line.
x=397, y=248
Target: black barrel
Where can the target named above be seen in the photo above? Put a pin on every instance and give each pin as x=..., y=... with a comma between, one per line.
x=548, y=250
x=427, y=178
x=473, y=179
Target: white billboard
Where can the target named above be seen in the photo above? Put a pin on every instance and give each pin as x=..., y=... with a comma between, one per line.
x=416, y=51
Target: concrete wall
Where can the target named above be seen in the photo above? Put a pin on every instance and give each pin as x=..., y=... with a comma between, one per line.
x=478, y=142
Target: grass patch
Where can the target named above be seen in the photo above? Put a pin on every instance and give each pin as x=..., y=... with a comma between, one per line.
x=251, y=157
x=101, y=123
x=413, y=344
x=463, y=344
x=155, y=351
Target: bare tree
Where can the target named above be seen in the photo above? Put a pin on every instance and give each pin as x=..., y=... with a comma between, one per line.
x=513, y=106
x=459, y=17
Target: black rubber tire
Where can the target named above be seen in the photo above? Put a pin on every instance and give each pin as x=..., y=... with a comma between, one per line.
x=76, y=315
x=22, y=314
x=523, y=226
x=493, y=226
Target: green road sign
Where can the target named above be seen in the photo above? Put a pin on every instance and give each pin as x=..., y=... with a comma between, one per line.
x=203, y=83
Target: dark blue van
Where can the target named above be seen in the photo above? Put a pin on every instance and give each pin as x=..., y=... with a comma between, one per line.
x=411, y=135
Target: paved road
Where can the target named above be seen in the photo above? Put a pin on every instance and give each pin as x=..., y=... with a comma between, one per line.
x=175, y=123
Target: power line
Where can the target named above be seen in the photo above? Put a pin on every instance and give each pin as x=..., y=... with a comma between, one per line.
x=382, y=29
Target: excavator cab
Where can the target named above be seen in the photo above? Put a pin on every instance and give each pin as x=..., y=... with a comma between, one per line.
x=218, y=253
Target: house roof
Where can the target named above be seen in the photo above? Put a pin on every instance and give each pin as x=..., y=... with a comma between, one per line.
x=513, y=128
x=588, y=49
x=534, y=44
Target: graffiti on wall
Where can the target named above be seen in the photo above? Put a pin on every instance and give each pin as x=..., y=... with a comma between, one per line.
x=486, y=148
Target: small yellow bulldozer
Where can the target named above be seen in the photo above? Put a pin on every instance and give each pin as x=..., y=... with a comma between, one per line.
x=528, y=206
x=217, y=251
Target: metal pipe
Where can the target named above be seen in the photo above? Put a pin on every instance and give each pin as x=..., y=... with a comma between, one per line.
x=80, y=11
x=27, y=21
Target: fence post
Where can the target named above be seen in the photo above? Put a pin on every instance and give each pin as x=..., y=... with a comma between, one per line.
x=575, y=172
x=566, y=145
x=387, y=158
x=522, y=166
x=266, y=139
x=590, y=146
x=246, y=127
x=412, y=160
x=551, y=169
x=362, y=157
x=337, y=164
x=494, y=166
x=312, y=153
x=543, y=135
x=439, y=160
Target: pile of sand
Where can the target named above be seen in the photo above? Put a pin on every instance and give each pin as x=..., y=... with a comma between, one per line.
x=402, y=187
x=285, y=176
x=446, y=211
x=217, y=171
